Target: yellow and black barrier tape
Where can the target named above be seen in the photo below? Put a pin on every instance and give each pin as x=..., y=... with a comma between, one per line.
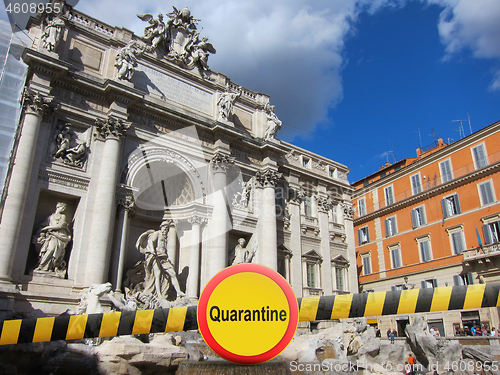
x=74, y=327
x=407, y=301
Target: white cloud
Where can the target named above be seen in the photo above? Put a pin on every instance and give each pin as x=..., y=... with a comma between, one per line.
x=289, y=49
x=472, y=25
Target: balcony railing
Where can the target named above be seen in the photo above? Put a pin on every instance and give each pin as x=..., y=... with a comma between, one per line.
x=429, y=180
x=480, y=252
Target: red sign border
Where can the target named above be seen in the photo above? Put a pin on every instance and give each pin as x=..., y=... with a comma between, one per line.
x=202, y=315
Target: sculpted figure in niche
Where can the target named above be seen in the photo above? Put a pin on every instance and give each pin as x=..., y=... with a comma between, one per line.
x=51, y=33
x=225, y=104
x=126, y=59
x=273, y=123
x=53, y=235
x=241, y=254
x=159, y=271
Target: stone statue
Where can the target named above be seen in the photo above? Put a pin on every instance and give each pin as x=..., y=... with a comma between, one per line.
x=159, y=271
x=241, y=254
x=53, y=235
x=126, y=59
x=225, y=104
x=177, y=40
x=199, y=51
x=89, y=299
x=155, y=31
x=273, y=123
x=51, y=32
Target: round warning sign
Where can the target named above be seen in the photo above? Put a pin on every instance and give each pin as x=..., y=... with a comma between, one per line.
x=248, y=313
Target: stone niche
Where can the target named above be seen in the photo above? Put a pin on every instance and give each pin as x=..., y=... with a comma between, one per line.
x=47, y=202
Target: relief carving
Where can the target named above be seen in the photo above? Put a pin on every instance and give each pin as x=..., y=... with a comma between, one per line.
x=69, y=148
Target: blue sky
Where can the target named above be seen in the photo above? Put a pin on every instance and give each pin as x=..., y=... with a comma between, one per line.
x=352, y=80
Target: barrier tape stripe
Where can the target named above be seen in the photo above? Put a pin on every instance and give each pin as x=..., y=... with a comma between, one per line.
x=310, y=309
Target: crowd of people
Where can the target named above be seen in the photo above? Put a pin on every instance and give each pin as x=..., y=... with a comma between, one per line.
x=476, y=330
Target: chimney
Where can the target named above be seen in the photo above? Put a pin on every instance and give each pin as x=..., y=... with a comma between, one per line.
x=440, y=142
x=419, y=152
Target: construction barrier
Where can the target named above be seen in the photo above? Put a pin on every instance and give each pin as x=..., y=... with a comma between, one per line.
x=374, y=304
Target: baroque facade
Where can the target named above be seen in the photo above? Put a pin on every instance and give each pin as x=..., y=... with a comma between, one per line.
x=433, y=221
x=130, y=145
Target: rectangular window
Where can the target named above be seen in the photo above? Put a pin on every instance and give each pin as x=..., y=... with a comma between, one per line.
x=389, y=195
x=390, y=226
x=306, y=162
x=398, y=287
x=362, y=207
x=491, y=232
x=339, y=278
x=332, y=172
x=363, y=236
x=450, y=206
x=417, y=217
x=479, y=156
x=457, y=242
x=311, y=275
x=307, y=206
x=466, y=279
x=367, y=265
x=486, y=191
x=432, y=283
x=446, y=174
x=425, y=250
x=396, y=257
x=416, y=185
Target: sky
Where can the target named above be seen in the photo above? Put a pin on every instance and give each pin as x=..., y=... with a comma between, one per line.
x=361, y=82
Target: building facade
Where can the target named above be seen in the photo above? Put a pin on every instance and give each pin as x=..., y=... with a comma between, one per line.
x=426, y=222
x=123, y=135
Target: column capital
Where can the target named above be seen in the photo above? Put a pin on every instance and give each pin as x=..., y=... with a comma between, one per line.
x=111, y=128
x=127, y=203
x=348, y=210
x=221, y=161
x=197, y=220
x=268, y=178
x=324, y=204
x=37, y=104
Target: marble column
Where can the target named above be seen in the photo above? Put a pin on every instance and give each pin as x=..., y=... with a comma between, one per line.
x=324, y=205
x=127, y=206
x=294, y=201
x=267, y=180
x=193, y=280
x=111, y=131
x=36, y=106
x=351, y=247
x=220, y=223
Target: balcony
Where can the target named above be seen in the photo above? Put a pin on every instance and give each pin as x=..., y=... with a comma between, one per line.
x=484, y=253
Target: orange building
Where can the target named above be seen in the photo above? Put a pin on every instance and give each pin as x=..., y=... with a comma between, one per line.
x=432, y=221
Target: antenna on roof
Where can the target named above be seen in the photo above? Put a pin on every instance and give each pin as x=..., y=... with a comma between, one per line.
x=433, y=135
x=461, y=127
x=419, y=137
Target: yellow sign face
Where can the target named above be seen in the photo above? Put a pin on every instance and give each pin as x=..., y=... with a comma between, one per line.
x=248, y=313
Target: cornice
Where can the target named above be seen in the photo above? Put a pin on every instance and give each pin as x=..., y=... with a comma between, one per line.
x=418, y=164
x=472, y=176
x=44, y=62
